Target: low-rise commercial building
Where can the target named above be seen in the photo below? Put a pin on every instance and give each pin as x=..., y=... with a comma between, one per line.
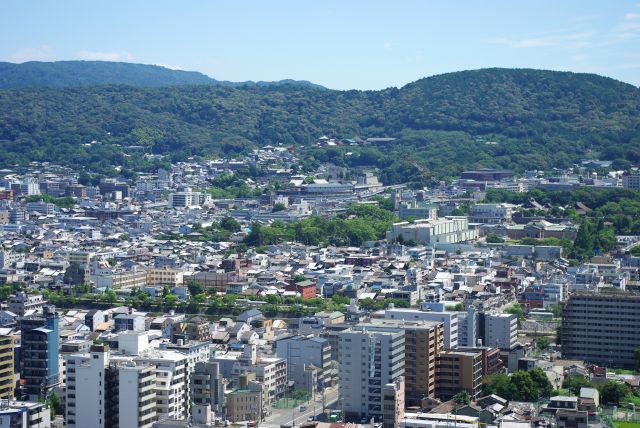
x=23, y=303
x=448, y=230
x=245, y=403
x=269, y=371
x=25, y=414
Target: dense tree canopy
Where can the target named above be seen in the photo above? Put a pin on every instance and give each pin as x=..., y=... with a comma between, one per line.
x=574, y=382
x=613, y=392
x=444, y=124
x=360, y=223
x=614, y=212
x=520, y=386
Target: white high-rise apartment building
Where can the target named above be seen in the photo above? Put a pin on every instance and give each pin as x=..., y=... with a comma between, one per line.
x=137, y=396
x=172, y=386
x=30, y=186
x=107, y=390
x=86, y=402
x=369, y=360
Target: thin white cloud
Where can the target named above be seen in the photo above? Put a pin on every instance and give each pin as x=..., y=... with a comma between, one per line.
x=387, y=46
x=628, y=28
x=40, y=53
x=571, y=40
x=104, y=56
x=171, y=67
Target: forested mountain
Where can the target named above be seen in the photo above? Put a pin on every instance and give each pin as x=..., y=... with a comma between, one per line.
x=61, y=74
x=512, y=118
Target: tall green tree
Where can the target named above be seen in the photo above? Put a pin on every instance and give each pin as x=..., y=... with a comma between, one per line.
x=612, y=392
x=574, y=382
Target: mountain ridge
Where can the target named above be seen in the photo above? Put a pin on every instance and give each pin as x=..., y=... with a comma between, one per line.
x=60, y=74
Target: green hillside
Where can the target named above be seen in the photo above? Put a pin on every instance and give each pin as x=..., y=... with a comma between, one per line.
x=63, y=74
x=87, y=73
x=507, y=118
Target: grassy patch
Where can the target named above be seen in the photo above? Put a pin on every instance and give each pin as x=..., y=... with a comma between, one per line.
x=621, y=371
x=626, y=424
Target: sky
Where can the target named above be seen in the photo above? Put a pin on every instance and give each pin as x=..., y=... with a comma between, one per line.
x=340, y=44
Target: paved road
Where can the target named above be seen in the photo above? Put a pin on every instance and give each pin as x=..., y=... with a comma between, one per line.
x=284, y=416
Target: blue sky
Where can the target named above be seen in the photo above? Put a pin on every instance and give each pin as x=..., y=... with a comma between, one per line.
x=341, y=44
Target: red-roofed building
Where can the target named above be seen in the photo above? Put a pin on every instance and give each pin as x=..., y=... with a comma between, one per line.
x=307, y=289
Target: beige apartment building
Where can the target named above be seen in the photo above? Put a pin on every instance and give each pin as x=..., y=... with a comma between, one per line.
x=459, y=371
x=6, y=367
x=165, y=276
x=393, y=403
x=246, y=402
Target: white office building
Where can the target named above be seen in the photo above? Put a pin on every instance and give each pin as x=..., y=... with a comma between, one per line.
x=448, y=230
x=187, y=198
x=491, y=213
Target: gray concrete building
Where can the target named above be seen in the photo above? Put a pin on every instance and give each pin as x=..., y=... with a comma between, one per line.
x=207, y=387
x=500, y=330
x=601, y=328
x=302, y=352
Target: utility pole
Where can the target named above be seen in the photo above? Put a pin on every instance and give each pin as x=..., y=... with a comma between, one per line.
x=293, y=414
x=313, y=398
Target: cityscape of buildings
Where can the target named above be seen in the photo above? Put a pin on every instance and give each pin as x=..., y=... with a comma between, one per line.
x=143, y=302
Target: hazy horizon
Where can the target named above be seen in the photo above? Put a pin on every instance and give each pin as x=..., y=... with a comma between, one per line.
x=327, y=87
